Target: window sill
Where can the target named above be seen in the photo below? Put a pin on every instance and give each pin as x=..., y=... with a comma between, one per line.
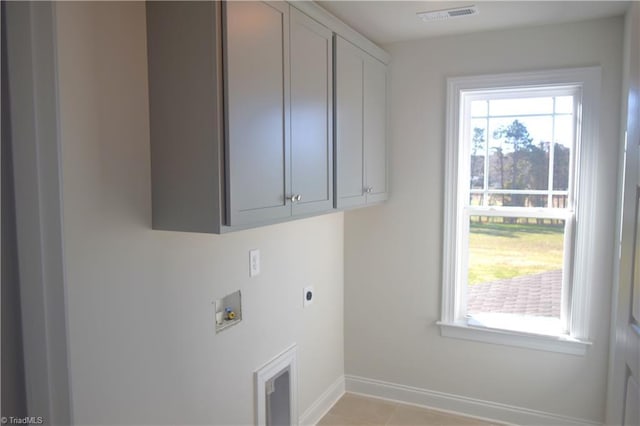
x=551, y=343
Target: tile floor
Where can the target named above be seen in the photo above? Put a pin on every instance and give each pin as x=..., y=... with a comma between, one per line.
x=358, y=410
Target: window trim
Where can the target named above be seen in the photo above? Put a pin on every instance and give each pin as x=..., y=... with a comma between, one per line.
x=452, y=324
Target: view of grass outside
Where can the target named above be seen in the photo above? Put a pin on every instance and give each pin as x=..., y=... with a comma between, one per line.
x=500, y=250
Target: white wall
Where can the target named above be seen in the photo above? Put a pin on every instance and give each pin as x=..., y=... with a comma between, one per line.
x=393, y=253
x=142, y=345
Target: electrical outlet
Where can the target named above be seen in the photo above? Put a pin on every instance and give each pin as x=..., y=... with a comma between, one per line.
x=307, y=296
x=254, y=262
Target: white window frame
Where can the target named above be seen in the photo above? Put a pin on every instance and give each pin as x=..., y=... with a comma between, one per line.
x=575, y=337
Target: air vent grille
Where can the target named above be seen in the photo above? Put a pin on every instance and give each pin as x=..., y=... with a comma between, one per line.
x=439, y=15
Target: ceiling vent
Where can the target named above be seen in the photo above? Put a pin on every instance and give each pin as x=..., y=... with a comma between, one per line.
x=440, y=15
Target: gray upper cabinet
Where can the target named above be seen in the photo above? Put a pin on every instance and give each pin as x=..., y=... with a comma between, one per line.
x=361, y=132
x=311, y=115
x=185, y=115
x=241, y=108
x=257, y=111
x=350, y=180
x=375, y=130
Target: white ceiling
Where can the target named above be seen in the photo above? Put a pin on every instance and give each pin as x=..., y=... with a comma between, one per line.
x=391, y=21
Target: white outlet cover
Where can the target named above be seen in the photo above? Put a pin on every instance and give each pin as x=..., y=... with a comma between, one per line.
x=254, y=262
x=306, y=301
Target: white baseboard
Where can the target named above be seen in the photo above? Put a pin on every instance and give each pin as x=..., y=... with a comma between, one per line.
x=456, y=404
x=323, y=404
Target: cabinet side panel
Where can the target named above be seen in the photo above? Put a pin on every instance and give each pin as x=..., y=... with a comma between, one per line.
x=349, y=121
x=182, y=44
x=375, y=129
x=257, y=108
x=311, y=111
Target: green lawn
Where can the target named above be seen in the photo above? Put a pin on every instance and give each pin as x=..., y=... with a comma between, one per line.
x=499, y=250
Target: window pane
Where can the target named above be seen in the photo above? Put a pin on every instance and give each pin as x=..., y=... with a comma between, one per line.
x=560, y=201
x=561, y=167
x=497, y=155
x=498, y=200
x=507, y=199
x=513, y=107
x=536, y=163
x=518, y=200
x=475, y=200
x=562, y=152
x=536, y=201
x=479, y=108
x=519, y=158
x=478, y=147
x=563, y=131
x=564, y=104
x=515, y=266
x=539, y=129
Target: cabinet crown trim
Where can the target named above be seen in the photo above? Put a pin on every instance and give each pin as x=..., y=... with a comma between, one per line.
x=332, y=22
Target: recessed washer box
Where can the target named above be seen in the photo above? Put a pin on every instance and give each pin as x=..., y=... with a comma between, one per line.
x=228, y=311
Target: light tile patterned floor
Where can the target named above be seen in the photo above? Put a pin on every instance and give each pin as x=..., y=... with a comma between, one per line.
x=358, y=410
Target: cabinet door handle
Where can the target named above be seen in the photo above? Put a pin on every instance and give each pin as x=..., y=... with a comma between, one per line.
x=368, y=189
x=298, y=197
x=295, y=197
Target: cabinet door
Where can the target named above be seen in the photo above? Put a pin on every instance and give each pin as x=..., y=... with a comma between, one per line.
x=185, y=85
x=311, y=115
x=256, y=56
x=375, y=129
x=349, y=100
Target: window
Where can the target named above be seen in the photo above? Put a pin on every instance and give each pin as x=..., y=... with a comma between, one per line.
x=515, y=253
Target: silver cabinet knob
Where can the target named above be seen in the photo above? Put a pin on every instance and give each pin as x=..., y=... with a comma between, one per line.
x=298, y=197
x=368, y=189
x=295, y=197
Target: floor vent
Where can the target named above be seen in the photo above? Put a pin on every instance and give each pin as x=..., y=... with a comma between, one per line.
x=276, y=389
